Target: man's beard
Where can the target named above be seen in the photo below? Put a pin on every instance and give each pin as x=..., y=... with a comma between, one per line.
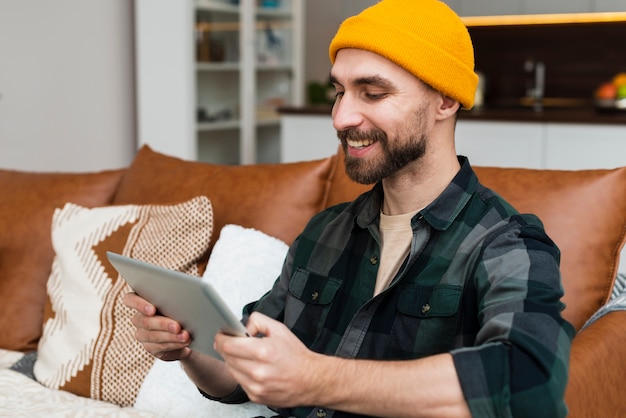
x=395, y=154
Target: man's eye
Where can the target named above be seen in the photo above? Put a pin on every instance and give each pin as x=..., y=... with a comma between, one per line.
x=338, y=94
x=375, y=96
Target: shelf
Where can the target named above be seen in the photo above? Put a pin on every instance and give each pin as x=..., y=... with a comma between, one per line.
x=218, y=126
x=235, y=66
x=216, y=6
x=278, y=12
x=235, y=124
x=274, y=67
x=268, y=121
x=217, y=66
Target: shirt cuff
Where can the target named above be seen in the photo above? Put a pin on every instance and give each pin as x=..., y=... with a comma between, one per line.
x=235, y=397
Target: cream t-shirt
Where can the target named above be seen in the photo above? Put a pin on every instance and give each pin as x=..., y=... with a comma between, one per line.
x=395, y=235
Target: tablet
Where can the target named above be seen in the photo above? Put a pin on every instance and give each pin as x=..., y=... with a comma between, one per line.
x=185, y=298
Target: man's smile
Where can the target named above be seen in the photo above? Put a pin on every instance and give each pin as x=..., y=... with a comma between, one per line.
x=360, y=143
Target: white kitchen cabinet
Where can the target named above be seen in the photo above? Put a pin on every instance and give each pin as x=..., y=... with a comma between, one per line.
x=550, y=145
x=503, y=144
x=577, y=146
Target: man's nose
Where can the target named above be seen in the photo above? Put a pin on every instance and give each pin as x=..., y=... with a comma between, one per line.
x=346, y=113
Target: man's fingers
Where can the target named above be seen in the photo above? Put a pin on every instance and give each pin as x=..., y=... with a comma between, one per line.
x=136, y=302
x=261, y=325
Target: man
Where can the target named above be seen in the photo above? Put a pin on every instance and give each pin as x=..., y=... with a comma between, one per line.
x=427, y=296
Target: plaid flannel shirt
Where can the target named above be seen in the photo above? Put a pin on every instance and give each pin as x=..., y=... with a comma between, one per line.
x=481, y=282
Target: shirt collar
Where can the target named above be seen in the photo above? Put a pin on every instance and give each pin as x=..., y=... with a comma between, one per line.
x=441, y=212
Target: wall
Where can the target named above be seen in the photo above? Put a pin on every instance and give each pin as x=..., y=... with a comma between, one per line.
x=66, y=84
x=164, y=61
x=323, y=17
x=508, y=7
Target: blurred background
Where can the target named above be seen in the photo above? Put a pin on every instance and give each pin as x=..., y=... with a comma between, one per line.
x=84, y=83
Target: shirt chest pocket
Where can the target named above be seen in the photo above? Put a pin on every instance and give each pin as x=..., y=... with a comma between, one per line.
x=308, y=303
x=427, y=320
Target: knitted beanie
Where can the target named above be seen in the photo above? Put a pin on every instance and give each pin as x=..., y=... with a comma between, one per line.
x=425, y=37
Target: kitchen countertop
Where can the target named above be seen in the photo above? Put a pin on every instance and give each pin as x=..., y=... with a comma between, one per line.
x=586, y=115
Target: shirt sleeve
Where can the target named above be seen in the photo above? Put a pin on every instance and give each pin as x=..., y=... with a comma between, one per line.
x=518, y=366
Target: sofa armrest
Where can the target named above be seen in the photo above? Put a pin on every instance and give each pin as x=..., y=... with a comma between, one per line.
x=598, y=369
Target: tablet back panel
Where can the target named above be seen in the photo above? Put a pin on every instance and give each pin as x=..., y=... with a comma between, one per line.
x=182, y=297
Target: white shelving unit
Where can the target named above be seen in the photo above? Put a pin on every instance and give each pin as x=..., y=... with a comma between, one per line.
x=237, y=82
x=249, y=61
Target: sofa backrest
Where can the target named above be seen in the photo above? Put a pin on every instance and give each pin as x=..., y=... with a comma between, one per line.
x=277, y=199
x=584, y=212
x=27, y=202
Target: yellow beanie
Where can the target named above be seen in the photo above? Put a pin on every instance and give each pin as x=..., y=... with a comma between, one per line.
x=425, y=37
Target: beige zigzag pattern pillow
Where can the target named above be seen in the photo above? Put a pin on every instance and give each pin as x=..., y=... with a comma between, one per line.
x=88, y=346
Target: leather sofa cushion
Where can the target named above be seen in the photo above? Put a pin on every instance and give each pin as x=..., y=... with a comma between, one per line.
x=277, y=199
x=27, y=203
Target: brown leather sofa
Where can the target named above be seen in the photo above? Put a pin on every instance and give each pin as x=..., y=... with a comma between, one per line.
x=583, y=211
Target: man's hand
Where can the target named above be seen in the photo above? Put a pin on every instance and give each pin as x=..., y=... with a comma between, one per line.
x=162, y=337
x=279, y=370
x=274, y=369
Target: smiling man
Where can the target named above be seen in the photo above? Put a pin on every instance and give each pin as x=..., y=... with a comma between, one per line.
x=428, y=295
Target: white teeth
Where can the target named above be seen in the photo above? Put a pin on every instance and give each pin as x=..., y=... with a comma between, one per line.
x=359, y=143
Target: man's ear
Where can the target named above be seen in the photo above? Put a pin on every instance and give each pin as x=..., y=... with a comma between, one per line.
x=447, y=107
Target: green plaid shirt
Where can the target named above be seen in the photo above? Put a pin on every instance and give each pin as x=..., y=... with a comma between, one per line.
x=481, y=282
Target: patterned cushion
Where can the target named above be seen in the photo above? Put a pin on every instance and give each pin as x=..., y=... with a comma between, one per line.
x=88, y=346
